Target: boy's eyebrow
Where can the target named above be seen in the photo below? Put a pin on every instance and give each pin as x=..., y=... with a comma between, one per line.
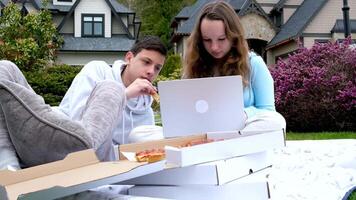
x=157, y=65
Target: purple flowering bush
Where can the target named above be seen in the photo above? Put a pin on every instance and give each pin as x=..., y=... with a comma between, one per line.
x=315, y=89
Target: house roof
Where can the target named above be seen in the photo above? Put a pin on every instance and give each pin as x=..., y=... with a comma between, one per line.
x=3, y=2
x=59, y=8
x=96, y=44
x=279, y=5
x=117, y=7
x=339, y=26
x=237, y=4
x=241, y=7
x=185, y=12
x=192, y=12
x=296, y=24
x=113, y=7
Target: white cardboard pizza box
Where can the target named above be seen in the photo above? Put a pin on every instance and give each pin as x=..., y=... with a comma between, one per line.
x=212, y=173
x=232, y=144
x=251, y=187
x=77, y=172
x=227, y=145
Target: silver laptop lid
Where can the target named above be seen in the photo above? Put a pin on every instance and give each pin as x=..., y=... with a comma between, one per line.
x=194, y=106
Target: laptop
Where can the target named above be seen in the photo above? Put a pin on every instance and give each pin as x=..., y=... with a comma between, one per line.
x=195, y=106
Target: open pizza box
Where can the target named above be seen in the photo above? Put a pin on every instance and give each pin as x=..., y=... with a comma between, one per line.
x=213, y=163
x=77, y=172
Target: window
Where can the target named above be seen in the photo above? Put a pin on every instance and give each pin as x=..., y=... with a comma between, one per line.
x=64, y=0
x=92, y=25
x=321, y=41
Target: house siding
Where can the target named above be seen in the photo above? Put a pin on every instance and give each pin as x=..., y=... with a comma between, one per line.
x=115, y=26
x=131, y=25
x=293, y=2
x=310, y=41
x=290, y=7
x=118, y=29
x=336, y=36
x=182, y=45
x=326, y=18
x=92, y=7
x=267, y=5
x=278, y=51
x=57, y=19
x=55, y=2
x=68, y=27
x=30, y=8
x=268, y=1
x=287, y=13
x=82, y=58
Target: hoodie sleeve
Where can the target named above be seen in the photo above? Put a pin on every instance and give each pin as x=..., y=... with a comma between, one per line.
x=261, y=83
x=83, y=84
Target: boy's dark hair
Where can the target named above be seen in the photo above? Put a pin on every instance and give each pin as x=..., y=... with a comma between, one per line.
x=149, y=43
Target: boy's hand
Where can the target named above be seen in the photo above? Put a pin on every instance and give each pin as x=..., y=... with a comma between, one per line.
x=140, y=87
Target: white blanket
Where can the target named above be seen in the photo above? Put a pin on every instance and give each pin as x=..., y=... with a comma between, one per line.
x=313, y=169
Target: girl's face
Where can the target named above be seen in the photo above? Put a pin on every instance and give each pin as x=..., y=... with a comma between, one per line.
x=214, y=38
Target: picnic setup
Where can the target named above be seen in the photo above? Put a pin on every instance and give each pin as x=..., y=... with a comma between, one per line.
x=198, y=100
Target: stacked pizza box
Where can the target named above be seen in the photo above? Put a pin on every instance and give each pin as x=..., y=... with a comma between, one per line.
x=224, y=165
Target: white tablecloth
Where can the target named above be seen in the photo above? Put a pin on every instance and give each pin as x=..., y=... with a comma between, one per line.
x=313, y=169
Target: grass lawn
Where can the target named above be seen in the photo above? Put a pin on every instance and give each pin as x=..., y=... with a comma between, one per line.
x=352, y=196
x=321, y=135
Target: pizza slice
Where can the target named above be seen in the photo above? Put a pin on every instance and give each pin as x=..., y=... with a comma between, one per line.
x=155, y=96
x=150, y=156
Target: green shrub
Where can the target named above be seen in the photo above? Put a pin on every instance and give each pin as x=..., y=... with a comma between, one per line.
x=173, y=62
x=53, y=82
x=171, y=71
x=29, y=41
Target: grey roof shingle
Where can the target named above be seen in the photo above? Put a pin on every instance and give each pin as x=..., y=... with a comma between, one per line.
x=237, y=4
x=279, y=5
x=50, y=6
x=339, y=26
x=119, y=8
x=116, y=43
x=298, y=21
x=184, y=13
x=193, y=12
x=4, y=2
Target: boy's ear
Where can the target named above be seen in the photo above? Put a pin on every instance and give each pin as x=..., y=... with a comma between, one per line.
x=129, y=55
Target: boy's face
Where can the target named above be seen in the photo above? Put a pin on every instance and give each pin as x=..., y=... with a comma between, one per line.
x=146, y=64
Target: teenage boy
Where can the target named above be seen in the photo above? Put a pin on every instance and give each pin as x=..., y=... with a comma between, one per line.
x=136, y=73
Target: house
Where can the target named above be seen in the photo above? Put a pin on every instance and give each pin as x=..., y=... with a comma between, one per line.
x=276, y=28
x=92, y=29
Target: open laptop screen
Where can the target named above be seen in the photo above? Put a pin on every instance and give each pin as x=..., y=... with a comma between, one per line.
x=195, y=106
